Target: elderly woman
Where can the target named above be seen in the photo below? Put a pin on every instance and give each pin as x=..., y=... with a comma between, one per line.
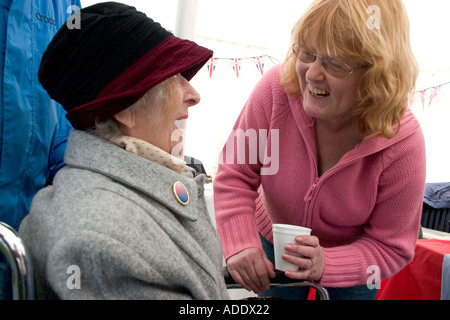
x=349, y=153
x=125, y=219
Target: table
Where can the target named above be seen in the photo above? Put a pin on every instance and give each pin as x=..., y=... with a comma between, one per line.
x=421, y=279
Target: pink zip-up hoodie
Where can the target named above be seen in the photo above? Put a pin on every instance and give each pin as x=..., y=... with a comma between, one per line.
x=365, y=210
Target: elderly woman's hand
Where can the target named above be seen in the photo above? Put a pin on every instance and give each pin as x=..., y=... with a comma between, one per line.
x=310, y=264
x=251, y=269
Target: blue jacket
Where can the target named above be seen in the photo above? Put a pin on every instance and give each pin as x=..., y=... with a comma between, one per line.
x=33, y=128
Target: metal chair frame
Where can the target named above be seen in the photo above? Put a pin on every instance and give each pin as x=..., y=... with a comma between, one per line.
x=15, y=252
x=280, y=281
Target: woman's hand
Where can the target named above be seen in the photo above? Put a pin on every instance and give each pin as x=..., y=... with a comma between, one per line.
x=311, y=264
x=251, y=269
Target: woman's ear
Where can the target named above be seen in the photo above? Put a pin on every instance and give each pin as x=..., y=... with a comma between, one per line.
x=126, y=118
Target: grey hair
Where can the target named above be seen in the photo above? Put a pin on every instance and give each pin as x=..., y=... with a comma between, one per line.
x=110, y=128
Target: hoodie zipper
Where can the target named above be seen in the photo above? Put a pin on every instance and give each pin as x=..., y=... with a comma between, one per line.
x=309, y=195
x=310, y=192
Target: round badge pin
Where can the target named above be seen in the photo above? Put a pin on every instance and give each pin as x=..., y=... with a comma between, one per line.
x=181, y=193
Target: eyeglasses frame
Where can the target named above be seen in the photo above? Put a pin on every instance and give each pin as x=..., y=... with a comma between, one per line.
x=350, y=69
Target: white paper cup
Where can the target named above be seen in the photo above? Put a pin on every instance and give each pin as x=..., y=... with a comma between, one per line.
x=282, y=235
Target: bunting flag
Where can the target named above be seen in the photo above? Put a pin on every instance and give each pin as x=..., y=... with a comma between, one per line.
x=434, y=93
x=426, y=95
x=259, y=62
x=423, y=95
x=236, y=63
x=211, y=65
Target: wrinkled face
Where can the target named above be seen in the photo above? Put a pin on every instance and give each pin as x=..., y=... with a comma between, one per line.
x=157, y=121
x=327, y=97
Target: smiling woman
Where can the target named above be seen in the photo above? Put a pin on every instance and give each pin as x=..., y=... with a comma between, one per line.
x=352, y=157
x=384, y=88
x=124, y=211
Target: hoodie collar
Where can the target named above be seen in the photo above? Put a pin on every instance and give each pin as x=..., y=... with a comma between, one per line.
x=305, y=123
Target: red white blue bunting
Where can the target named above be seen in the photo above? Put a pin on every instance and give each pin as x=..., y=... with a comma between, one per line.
x=236, y=63
x=426, y=96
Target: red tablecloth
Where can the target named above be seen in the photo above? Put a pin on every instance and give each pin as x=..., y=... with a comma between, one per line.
x=421, y=279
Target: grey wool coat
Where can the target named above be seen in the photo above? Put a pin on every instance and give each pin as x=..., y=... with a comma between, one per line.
x=110, y=227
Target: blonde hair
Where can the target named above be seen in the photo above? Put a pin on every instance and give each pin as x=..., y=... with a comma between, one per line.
x=371, y=32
